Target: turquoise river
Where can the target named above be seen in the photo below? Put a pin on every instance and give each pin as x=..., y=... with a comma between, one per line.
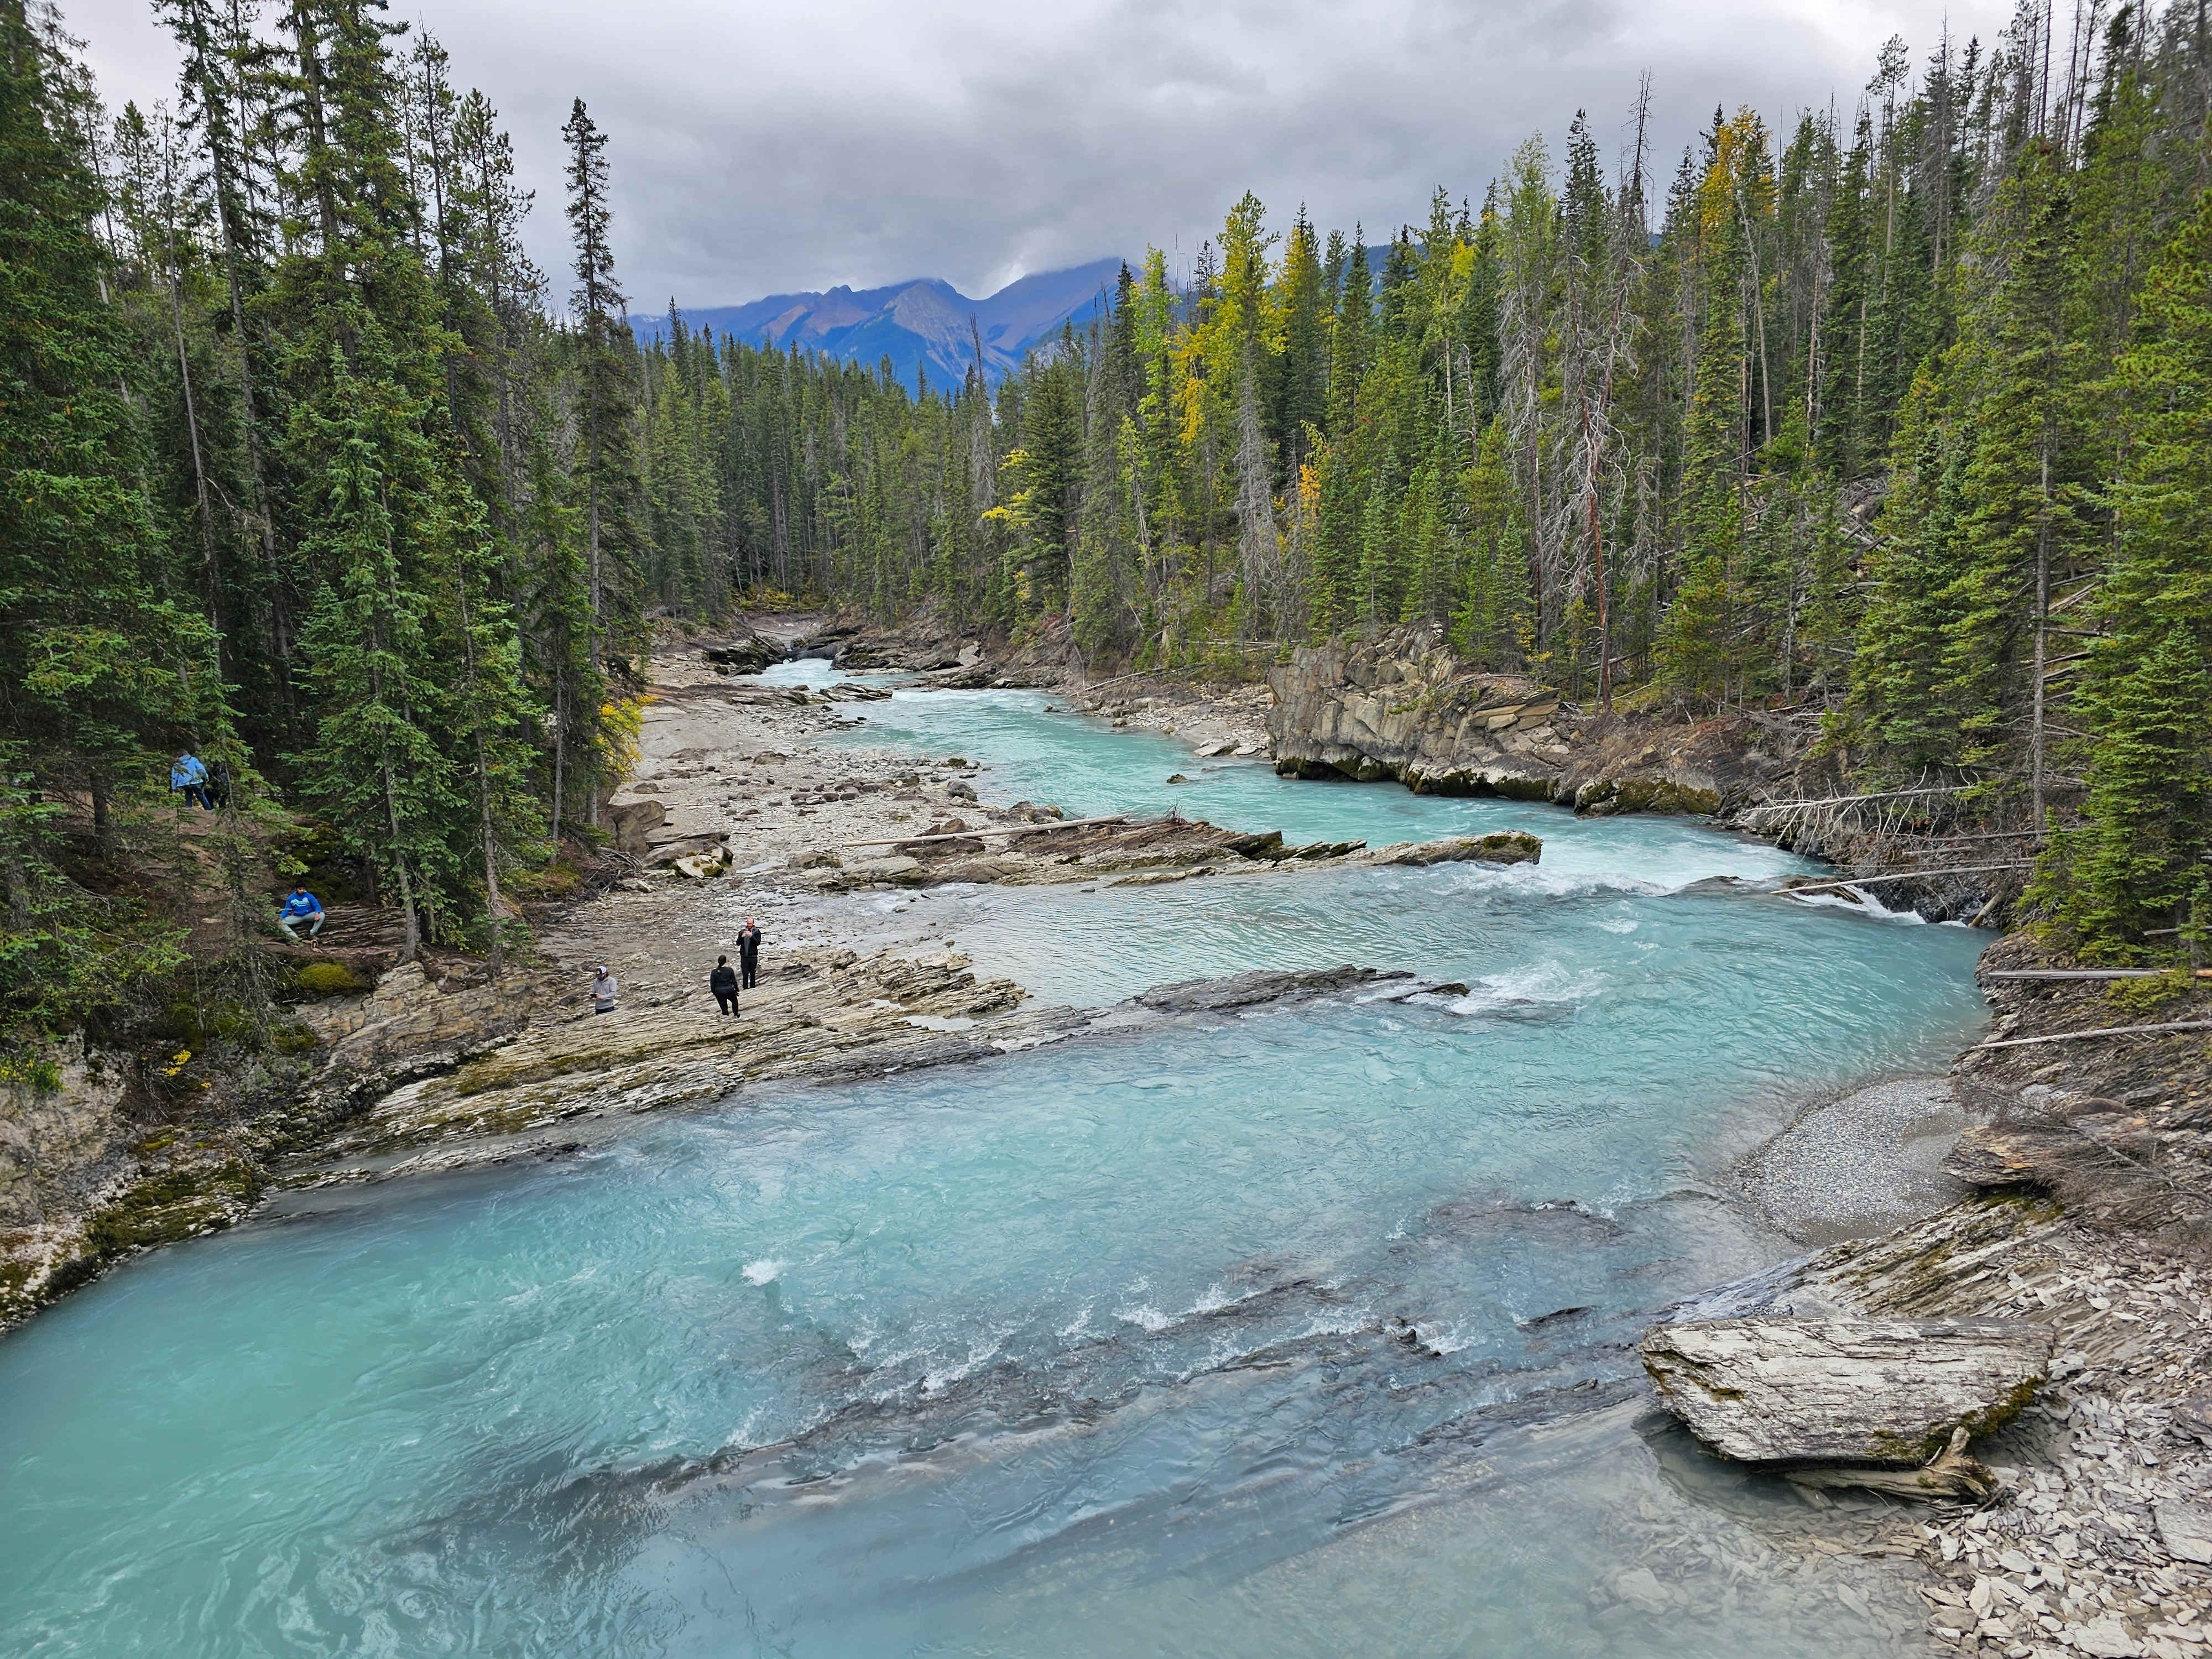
x=1307, y=1331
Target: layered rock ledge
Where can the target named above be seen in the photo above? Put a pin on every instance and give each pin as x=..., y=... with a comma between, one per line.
x=1404, y=707
x=1766, y=1390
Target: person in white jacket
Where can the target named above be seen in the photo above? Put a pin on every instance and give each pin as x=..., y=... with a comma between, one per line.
x=603, y=990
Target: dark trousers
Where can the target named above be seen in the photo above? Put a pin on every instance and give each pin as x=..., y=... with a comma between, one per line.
x=193, y=792
x=752, y=972
x=728, y=1000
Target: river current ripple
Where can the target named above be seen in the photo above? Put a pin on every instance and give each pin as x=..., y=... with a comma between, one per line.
x=1303, y=1331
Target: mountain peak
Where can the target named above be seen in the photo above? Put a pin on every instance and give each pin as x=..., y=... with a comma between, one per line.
x=924, y=320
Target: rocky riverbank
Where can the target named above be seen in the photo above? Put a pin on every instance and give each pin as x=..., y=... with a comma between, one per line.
x=1403, y=705
x=2080, y=1169
x=739, y=806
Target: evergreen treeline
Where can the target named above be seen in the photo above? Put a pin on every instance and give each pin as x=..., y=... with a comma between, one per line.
x=1905, y=416
x=1903, y=419
x=305, y=467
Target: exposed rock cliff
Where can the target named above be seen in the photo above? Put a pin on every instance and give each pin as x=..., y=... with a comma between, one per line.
x=1403, y=705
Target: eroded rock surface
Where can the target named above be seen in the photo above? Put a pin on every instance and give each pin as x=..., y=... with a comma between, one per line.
x=1767, y=1389
x=1404, y=707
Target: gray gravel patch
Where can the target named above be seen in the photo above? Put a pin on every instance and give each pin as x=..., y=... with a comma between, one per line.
x=1862, y=1163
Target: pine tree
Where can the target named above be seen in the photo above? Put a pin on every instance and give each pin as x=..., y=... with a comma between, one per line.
x=378, y=766
x=97, y=668
x=604, y=471
x=2141, y=864
x=2138, y=864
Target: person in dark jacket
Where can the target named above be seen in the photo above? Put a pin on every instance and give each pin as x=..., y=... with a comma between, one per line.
x=749, y=941
x=723, y=982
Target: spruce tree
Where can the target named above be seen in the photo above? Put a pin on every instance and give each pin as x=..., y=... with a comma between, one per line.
x=99, y=672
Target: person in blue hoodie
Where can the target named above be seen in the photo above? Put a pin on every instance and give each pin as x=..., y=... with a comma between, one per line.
x=188, y=773
x=301, y=906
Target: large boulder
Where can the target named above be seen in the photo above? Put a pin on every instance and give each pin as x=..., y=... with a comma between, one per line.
x=747, y=656
x=632, y=822
x=1767, y=1389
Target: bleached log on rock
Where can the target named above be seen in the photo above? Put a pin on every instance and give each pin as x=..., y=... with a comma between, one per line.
x=1952, y=1473
x=1766, y=1389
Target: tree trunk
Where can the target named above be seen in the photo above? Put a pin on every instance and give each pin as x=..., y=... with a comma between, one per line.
x=206, y=510
x=413, y=946
x=2041, y=630
x=483, y=777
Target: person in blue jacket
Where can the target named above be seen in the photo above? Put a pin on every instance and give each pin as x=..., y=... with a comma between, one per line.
x=188, y=773
x=301, y=906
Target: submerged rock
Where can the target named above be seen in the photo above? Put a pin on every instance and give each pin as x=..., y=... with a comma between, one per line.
x=1243, y=990
x=1509, y=846
x=1766, y=1390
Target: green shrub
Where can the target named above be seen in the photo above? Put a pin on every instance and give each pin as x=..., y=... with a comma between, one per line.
x=291, y=1038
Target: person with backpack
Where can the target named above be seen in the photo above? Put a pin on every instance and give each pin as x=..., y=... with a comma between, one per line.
x=723, y=982
x=189, y=774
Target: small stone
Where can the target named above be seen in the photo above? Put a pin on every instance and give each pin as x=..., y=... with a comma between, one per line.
x=2106, y=1638
x=1641, y=1587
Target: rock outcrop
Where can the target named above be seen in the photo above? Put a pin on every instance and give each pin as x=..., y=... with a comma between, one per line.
x=1403, y=705
x=409, y=1016
x=55, y=1141
x=1767, y=1390
x=1250, y=989
x=1507, y=846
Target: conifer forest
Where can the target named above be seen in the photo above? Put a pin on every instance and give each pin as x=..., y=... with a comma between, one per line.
x=1900, y=418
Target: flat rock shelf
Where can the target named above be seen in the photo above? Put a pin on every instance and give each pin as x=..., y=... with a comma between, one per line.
x=1774, y=1391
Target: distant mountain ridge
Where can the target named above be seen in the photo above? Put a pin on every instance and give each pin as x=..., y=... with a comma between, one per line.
x=922, y=324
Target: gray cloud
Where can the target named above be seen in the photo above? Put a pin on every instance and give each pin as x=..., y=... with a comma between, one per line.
x=782, y=145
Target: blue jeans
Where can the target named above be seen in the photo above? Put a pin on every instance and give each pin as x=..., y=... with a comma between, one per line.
x=197, y=792
x=313, y=918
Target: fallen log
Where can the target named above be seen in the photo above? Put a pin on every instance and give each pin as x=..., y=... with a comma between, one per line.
x=2088, y=973
x=1849, y=800
x=1952, y=1475
x=2101, y=1031
x=1909, y=875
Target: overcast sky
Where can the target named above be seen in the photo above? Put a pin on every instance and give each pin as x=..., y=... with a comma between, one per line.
x=760, y=146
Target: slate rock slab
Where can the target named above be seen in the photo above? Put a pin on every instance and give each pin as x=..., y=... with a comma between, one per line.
x=2185, y=1529
x=1770, y=1389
